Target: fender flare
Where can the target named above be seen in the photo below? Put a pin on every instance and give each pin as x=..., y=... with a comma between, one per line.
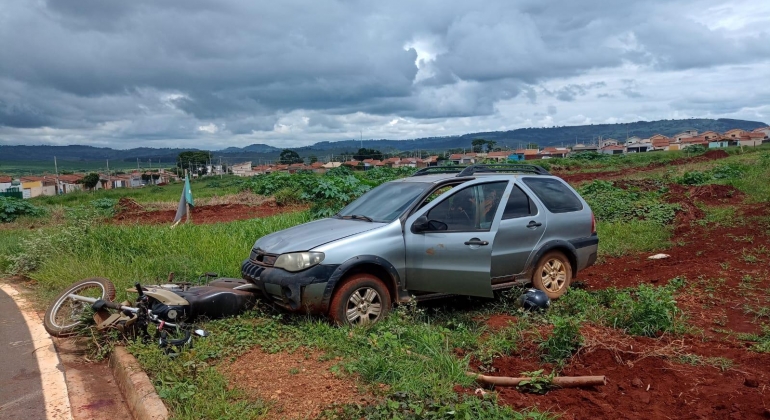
x=560, y=244
x=393, y=284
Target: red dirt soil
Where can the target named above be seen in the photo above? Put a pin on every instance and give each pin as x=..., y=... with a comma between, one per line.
x=132, y=213
x=727, y=268
x=590, y=176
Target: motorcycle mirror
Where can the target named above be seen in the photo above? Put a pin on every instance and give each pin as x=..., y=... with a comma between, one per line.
x=201, y=333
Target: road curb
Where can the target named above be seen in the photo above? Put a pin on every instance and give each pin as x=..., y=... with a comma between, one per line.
x=141, y=398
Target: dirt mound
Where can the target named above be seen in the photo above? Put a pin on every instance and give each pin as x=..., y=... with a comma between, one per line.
x=128, y=205
x=207, y=214
x=649, y=388
x=299, y=384
x=715, y=194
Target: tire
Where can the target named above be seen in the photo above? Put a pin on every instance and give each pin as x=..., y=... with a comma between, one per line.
x=553, y=274
x=58, y=322
x=362, y=299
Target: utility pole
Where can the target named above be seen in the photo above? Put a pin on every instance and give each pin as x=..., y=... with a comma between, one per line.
x=109, y=182
x=137, y=165
x=362, y=139
x=56, y=168
x=220, y=167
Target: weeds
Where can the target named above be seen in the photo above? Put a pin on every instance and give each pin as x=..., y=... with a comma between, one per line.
x=721, y=363
x=12, y=208
x=563, y=342
x=538, y=382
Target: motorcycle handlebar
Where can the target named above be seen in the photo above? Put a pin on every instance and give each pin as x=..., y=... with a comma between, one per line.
x=139, y=289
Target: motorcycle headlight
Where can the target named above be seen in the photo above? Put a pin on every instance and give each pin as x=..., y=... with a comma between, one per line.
x=298, y=261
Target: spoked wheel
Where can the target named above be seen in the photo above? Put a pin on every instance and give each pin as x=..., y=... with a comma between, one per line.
x=553, y=274
x=63, y=317
x=363, y=299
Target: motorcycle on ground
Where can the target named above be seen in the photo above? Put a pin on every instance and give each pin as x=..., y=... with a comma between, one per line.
x=172, y=307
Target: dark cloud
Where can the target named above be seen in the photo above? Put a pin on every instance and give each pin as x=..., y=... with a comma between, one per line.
x=146, y=69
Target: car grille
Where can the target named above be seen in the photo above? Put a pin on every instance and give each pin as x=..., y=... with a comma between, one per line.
x=251, y=271
x=262, y=258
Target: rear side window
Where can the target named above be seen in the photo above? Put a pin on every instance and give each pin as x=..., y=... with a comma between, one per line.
x=519, y=205
x=557, y=197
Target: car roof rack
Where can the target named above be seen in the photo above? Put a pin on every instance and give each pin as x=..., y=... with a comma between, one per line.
x=483, y=168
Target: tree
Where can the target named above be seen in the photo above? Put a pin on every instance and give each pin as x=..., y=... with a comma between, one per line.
x=478, y=145
x=490, y=145
x=289, y=156
x=313, y=159
x=364, y=153
x=195, y=161
x=532, y=146
x=90, y=180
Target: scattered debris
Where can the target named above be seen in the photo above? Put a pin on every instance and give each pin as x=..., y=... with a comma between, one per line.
x=658, y=257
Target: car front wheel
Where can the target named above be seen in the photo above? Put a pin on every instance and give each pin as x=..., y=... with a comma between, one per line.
x=553, y=274
x=361, y=300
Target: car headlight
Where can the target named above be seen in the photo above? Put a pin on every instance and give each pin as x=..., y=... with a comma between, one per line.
x=298, y=261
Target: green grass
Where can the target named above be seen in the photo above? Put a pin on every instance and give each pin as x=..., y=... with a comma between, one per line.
x=632, y=237
x=129, y=253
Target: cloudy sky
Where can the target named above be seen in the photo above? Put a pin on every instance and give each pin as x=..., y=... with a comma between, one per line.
x=196, y=73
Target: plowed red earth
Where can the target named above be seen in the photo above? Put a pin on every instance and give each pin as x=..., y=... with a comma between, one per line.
x=204, y=214
x=590, y=176
x=726, y=269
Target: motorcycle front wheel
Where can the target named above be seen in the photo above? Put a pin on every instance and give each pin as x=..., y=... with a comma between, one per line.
x=64, y=316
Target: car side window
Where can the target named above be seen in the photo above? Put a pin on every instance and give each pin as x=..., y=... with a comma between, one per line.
x=555, y=195
x=435, y=194
x=470, y=209
x=518, y=205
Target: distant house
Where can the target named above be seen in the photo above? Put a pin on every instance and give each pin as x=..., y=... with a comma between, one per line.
x=352, y=163
x=582, y=148
x=555, y=152
x=608, y=142
x=392, y=162
x=751, y=139
x=242, y=169
x=637, y=145
x=70, y=183
x=5, y=183
x=463, y=158
x=677, y=138
x=763, y=130
x=612, y=149
x=501, y=156
x=718, y=143
x=711, y=135
x=734, y=134
x=318, y=167
x=430, y=161
x=660, y=142
x=332, y=165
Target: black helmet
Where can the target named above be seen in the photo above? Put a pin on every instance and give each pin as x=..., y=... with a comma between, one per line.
x=533, y=300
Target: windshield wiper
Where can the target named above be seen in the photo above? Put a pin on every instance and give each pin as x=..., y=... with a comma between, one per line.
x=357, y=217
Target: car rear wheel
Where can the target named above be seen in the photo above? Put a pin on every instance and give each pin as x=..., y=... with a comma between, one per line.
x=553, y=274
x=361, y=300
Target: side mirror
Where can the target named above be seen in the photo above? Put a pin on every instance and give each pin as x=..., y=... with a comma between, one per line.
x=422, y=224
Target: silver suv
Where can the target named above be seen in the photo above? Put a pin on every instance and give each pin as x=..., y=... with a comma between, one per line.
x=443, y=231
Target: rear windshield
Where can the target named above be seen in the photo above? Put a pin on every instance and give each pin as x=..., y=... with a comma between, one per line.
x=555, y=195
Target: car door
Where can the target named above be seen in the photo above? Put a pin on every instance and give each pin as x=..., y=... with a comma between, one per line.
x=521, y=229
x=456, y=260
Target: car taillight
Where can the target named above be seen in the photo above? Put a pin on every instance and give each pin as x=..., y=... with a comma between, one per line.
x=593, y=223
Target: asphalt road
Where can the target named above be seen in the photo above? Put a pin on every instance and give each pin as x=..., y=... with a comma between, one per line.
x=21, y=389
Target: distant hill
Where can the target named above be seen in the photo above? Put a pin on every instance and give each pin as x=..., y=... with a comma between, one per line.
x=551, y=136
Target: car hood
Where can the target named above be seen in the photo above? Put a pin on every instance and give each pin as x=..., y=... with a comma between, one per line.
x=310, y=235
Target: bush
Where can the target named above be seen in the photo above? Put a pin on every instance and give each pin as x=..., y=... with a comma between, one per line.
x=728, y=171
x=646, y=310
x=695, y=148
x=11, y=208
x=563, y=342
x=610, y=203
x=105, y=206
x=288, y=196
x=693, y=178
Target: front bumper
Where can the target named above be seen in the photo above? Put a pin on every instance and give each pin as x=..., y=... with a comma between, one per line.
x=302, y=291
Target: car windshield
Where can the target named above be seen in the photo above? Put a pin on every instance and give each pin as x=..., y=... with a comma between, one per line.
x=384, y=203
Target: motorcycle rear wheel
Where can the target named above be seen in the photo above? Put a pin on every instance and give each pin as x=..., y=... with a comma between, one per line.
x=65, y=315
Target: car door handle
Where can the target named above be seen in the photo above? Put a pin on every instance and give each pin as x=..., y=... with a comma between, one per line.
x=533, y=224
x=476, y=241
